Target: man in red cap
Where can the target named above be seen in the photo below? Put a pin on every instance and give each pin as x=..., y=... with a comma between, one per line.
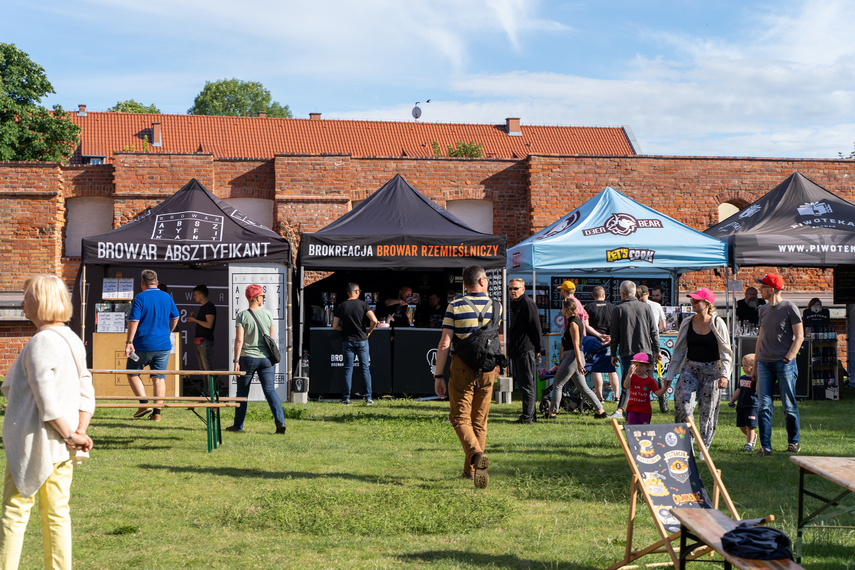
x=778, y=341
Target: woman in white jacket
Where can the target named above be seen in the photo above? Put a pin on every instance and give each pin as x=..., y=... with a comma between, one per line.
x=50, y=402
x=703, y=358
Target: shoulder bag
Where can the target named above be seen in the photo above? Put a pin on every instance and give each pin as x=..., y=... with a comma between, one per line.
x=271, y=344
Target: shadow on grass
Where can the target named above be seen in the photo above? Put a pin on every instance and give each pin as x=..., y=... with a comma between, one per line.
x=476, y=559
x=242, y=473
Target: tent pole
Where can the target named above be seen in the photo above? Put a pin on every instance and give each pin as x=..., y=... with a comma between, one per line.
x=504, y=310
x=83, y=304
x=302, y=332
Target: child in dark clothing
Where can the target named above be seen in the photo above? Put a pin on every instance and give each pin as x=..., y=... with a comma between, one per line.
x=747, y=404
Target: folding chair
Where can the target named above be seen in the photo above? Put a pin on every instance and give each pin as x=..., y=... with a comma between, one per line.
x=664, y=470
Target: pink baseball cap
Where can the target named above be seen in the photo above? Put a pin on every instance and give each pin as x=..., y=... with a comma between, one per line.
x=642, y=358
x=254, y=291
x=703, y=294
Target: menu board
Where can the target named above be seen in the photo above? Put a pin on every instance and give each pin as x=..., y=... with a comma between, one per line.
x=496, y=286
x=115, y=289
x=669, y=474
x=585, y=287
x=844, y=284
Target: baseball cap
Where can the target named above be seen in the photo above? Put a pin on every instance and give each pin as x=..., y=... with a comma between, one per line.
x=703, y=294
x=642, y=358
x=773, y=280
x=568, y=286
x=253, y=291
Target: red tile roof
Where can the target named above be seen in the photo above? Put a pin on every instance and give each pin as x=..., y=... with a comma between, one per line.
x=257, y=137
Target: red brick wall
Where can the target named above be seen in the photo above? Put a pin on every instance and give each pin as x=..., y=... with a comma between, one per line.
x=310, y=192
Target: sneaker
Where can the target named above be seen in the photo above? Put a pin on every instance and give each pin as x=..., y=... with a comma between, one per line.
x=748, y=447
x=600, y=416
x=234, y=429
x=154, y=417
x=522, y=420
x=345, y=402
x=794, y=448
x=369, y=402
x=617, y=415
x=764, y=452
x=280, y=428
x=142, y=412
x=480, y=462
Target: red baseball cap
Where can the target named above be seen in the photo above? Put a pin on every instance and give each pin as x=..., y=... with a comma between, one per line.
x=703, y=294
x=253, y=291
x=773, y=280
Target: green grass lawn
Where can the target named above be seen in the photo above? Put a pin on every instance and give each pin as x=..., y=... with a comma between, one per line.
x=380, y=487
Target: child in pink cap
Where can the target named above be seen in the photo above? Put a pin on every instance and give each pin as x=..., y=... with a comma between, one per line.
x=640, y=385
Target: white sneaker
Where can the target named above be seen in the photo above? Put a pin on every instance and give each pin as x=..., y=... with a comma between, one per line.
x=617, y=415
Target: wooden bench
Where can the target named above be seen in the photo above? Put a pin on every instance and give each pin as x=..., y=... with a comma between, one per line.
x=707, y=526
x=212, y=404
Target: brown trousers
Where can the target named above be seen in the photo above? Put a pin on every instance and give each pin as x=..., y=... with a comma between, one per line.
x=470, y=397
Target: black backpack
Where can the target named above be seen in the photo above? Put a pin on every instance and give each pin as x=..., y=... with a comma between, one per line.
x=481, y=351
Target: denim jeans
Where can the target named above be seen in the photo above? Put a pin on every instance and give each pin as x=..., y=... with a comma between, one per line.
x=785, y=373
x=266, y=376
x=154, y=359
x=351, y=348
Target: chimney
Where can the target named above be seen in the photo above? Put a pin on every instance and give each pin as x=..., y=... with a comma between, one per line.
x=513, y=127
x=156, y=134
x=314, y=116
x=262, y=115
x=81, y=110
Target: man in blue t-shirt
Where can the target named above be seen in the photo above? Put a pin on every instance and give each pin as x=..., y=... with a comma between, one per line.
x=151, y=321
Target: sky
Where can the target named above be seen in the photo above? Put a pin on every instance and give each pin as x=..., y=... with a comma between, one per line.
x=689, y=78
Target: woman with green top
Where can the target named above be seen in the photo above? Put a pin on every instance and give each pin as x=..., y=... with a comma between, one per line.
x=251, y=356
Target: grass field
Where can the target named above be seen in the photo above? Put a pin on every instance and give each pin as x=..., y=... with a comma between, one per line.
x=379, y=487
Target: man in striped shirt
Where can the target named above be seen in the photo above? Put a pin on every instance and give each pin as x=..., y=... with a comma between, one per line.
x=469, y=393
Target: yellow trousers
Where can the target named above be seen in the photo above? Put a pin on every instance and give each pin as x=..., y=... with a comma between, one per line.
x=56, y=521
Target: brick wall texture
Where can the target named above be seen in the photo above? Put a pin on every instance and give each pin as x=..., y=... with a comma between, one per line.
x=310, y=191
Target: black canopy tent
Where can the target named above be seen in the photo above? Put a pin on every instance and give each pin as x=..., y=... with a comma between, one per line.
x=191, y=230
x=397, y=228
x=797, y=224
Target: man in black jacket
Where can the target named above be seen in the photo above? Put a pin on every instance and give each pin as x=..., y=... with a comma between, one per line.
x=523, y=345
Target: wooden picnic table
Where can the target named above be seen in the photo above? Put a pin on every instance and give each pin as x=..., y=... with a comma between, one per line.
x=838, y=470
x=212, y=403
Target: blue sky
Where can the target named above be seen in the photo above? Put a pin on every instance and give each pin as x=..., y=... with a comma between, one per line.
x=688, y=77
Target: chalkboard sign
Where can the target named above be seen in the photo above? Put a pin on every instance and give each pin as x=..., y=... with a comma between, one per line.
x=585, y=287
x=844, y=284
x=496, y=286
x=664, y=457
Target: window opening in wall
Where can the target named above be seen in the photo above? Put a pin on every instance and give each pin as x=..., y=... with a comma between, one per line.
x=477, y=214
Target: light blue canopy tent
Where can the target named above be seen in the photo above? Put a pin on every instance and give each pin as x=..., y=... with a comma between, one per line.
x=611, y=233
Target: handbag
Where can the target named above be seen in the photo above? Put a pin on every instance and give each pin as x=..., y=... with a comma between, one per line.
x=271, y=344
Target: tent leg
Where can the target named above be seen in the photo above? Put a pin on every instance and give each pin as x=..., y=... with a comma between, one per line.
x=302, y=313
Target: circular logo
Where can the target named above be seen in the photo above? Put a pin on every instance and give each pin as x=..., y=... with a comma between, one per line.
x=621, y=224
x=671, y=439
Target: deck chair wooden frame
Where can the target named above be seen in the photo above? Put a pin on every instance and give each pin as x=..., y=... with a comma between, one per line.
x=664, y=544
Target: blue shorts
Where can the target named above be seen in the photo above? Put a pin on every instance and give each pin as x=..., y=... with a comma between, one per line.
x=746, y=417
x=154, y=359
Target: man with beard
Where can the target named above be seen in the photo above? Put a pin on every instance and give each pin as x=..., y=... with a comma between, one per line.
x=747, y=308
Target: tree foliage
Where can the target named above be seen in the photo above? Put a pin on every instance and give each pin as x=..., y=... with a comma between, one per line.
x=460, y=150
x=850, y=156
x=29, y=131
x=236, y=98
x=131, y=106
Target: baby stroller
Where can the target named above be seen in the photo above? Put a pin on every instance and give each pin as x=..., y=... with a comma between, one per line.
x=597, y=359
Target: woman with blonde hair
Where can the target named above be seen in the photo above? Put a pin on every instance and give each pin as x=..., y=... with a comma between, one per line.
x=50, y=402
x=703, y=358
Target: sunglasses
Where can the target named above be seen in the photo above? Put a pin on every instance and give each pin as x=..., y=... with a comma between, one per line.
x=514, y=288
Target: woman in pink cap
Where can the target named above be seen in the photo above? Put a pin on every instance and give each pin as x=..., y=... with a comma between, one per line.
x=703, y=358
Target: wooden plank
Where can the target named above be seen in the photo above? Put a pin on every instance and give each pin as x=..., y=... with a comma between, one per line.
x=839, y=470
x=169, y=398
x=186, y=405
x=710, y=524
